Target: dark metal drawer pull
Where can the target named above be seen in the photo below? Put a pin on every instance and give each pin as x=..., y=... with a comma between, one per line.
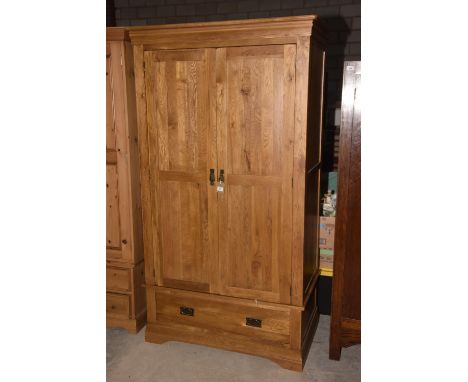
x=186, y=311
x=253, y=322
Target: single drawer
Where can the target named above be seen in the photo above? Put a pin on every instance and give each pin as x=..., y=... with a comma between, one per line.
x=118, y=305
x=222, y=313
x=118, y=279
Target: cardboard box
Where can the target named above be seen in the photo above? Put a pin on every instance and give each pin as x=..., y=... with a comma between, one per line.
x=326, y=259
x=327, y=232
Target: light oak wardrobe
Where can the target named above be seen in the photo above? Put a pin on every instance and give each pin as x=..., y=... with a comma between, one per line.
x=229, y=123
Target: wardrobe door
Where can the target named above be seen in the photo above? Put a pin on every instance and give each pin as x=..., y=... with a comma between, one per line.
x=180, y=161
x=255, y=126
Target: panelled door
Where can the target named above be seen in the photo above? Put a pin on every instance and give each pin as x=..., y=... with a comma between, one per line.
x=177, y=94
x=255, y=129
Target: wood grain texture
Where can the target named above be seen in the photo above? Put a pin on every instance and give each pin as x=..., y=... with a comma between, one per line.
x=350, y=332
x=278, y=31
x=149, y=151
x=118, y=305
x=133, y=154
x=121, y=147
x=112, y=210
x=118, y=279
x=117, y=34
x=124, y=241
x=231, y=96
x=178, y=122
x=140, y=90
x=229, y=317
x=139, y=291
x=220, y=322
x=162, y=332
x=110, y=119
x=346, y=288
x=255, y=151
x=300, y=136
x=111, y=157
x=133, y=326
x=212, y=162
x=233, y=300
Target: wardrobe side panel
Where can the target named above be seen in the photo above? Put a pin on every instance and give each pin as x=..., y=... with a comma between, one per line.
x=133, y=157
x=313, y=163
x=300, y=135
x=122, y=151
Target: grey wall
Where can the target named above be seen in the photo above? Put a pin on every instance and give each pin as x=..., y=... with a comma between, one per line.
x=342, y=19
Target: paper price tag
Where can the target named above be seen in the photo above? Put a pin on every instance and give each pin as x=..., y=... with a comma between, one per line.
x=220, y=188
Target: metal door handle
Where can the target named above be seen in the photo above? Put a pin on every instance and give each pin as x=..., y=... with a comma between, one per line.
x=221, y=176
x=212, y=176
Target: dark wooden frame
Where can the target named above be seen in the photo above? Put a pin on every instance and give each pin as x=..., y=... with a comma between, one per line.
x=346, y=290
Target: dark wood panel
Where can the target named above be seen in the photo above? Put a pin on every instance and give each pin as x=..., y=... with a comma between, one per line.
x=346, y=289
x=350, y=332
x=352, y=280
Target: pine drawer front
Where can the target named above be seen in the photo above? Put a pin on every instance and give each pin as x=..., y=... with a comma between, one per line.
x=212, y=313
x=118, y=305
x=117, y=279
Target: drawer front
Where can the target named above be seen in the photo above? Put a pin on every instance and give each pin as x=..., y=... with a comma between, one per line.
x=222, y=314
x=118, y=279
x=118, y=305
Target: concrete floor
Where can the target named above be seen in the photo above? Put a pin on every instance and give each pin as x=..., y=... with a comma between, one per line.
x=130, y=358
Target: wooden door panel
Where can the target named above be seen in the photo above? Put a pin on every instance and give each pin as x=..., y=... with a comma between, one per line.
x=253, y=216
x=255, y=107
x=178, y=121
x=181, y=111
x=112, y=208
x=255, y=89
x=184, y=236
